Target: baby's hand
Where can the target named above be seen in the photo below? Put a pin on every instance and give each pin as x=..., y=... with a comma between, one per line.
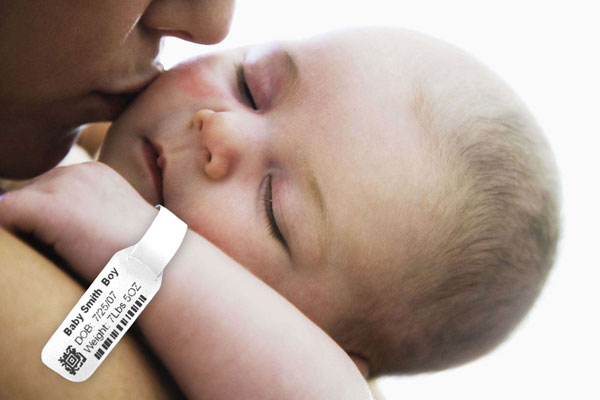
x=86, y=212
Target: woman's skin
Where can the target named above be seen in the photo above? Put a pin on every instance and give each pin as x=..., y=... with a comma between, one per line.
x=64, y=64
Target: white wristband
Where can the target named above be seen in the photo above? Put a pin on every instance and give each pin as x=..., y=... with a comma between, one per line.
x=114, y=300
x=161, y=241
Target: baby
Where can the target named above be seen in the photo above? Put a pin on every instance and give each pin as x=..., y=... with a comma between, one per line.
x=389, y=186
x=385, y=183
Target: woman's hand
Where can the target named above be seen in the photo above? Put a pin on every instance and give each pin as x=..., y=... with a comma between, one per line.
x=85, y=212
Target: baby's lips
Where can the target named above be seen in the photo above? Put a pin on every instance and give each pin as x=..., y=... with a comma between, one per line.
x=155, y=163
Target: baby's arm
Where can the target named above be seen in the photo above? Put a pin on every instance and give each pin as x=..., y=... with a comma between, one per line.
x=224, y=334
x=221, y=332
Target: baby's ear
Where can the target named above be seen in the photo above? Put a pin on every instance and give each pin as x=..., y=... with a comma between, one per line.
x=361, y=363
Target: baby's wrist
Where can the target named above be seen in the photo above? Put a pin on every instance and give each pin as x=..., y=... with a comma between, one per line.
x=126, y=233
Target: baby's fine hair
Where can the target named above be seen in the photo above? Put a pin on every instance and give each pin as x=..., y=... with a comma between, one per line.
x=490, y=245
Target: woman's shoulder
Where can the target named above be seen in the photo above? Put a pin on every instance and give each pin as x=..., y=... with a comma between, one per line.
x=11, y=245
x=35, y=296
x=19, y=257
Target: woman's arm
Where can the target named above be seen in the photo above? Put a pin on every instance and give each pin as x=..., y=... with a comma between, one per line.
x=35, y=296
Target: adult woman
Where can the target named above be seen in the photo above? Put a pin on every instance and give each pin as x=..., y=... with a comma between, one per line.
x=65, y=64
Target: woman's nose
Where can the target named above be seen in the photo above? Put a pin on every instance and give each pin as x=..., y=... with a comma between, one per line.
x=200, y=21
x=222, y=141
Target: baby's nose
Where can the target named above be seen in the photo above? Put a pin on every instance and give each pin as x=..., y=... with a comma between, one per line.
x=200, y=117
x=220, y=140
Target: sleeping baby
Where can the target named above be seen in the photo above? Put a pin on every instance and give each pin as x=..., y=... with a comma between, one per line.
x=386, y=184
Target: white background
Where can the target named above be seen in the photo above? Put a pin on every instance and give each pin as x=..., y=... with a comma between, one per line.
x=548, y=51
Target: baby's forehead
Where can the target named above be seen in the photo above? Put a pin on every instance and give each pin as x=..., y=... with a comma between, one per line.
x=392, y=51
x=396, y=60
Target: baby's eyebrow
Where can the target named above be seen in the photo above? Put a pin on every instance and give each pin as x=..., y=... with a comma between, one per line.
x=315, y=191
x=291, y=67
x=311, y=186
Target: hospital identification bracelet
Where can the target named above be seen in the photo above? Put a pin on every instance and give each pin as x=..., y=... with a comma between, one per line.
x=114, y=300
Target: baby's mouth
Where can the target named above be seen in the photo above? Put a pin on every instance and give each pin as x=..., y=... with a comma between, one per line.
x=151, y=155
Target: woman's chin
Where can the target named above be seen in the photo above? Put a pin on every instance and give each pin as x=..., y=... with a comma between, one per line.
x=20, y=165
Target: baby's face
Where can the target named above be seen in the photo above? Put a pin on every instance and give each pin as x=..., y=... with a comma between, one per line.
x=295, y=159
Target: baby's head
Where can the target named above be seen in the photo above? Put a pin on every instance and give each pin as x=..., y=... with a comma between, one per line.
x=385, y=183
